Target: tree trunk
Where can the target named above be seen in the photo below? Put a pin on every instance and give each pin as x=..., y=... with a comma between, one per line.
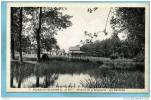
x=38, y=43
x=37, y=81
x=38, y=35
x=12, y=47
x=47, y=81
x=19, y=83
x=20, y=35
x=12, y=35
x=11, y=81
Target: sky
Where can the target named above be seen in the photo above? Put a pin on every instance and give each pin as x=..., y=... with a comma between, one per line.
x=83, y=21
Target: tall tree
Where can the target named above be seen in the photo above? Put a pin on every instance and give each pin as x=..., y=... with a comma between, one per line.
x=39, y=25
x=50, y=22
x=17, y=28
x=45, y=22
x=12, y=34
x=20, y=34
x=53, y=20
x=38, y=34
x=132, y=22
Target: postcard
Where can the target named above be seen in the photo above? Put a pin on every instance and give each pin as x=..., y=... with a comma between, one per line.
x=75, y=48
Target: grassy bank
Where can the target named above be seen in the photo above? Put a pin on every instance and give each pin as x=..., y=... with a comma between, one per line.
x=53, y=66
x=118, y=64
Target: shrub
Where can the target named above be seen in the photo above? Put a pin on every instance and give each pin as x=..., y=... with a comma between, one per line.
x=44, y=57
x=139, y=58
x=114, y=56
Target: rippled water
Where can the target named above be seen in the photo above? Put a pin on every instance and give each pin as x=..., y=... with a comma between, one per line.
x=67, y=80
x=63, y=80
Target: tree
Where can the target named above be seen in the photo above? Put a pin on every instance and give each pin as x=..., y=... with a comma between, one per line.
x=132, y=22
x=50, y=21
x=48, y=43
x=18, y=31
x=104, y=48
x=20, y=34
x=13, y=10
x=36, y=27
x=15, y=29
x=53, y=20
x=126, y=20
x=38, y=34
x=45, y=24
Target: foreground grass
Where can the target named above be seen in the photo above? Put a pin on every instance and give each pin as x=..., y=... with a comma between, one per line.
x=115, y=79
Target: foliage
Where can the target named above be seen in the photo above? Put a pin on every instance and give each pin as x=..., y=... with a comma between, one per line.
x=15, y=29
x=103, y=48
x=112, y=46
x=52, y=21
x=132, y=22
x=90, y=37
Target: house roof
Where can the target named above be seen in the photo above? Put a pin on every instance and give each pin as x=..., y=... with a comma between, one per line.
x=76, y=52
x=76, y=48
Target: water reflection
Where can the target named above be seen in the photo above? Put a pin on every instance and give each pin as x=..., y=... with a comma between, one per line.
x=68, y=80
x=56, y=80
x=49, y=74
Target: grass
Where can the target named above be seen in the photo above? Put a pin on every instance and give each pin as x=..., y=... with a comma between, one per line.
x=118, y=64
x=62, y=67
x=121, y=65
x=115, y=79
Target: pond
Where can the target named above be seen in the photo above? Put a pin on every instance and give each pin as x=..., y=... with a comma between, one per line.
x=75, y=74
x=61, y=80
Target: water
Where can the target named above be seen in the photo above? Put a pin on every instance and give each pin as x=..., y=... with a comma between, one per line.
x=62, y=80
x=28, y=82
x=68, y=80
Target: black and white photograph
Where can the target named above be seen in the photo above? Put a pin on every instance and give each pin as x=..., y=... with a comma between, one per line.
x=77, y=47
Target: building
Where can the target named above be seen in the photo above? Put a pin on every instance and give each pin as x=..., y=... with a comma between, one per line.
x=75, y=51
x=58, y=52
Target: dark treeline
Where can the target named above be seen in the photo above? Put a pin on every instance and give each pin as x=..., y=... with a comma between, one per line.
x=130, y=21
x=113, y=45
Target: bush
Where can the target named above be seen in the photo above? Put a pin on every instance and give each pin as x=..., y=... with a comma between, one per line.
x=139, y=58
x=114, y=56
x=44, y=57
